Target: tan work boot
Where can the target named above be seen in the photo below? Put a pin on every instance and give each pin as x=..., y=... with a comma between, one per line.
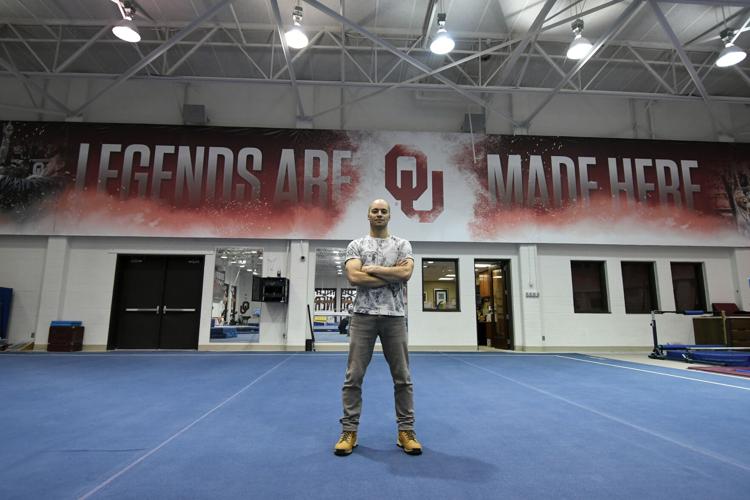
x=408, y=441
x=346, y=444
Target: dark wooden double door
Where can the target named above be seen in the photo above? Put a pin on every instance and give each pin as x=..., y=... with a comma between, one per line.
x=157, y=302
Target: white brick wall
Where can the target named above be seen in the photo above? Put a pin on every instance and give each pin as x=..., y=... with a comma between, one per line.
x=21, y=268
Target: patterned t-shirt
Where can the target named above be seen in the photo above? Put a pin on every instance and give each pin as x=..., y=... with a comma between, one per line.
x=385, y=300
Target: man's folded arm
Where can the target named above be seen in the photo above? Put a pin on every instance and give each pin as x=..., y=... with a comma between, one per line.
x=357, y=277
x=402, y=271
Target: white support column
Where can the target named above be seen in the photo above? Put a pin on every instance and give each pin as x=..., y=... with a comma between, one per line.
x=531, y=306
x=204, y=330
x=741, y=268
x=297, y=324
x=53, y=288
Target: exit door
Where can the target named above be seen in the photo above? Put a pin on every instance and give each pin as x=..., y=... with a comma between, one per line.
x=493, y=304
x=157, y=302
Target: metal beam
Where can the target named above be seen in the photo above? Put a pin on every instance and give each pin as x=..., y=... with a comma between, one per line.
x=414, y=79
x=57, y=48
x=411, y=85
x=718, y=3
x=28, y=47
x=741, y=30
x=680, y=50
x=573, y=3
x=45, y=26
x=26, y=87
x=299, y=53
x=554, y=64
x=579, y=15
x=532, y=32
x=622, y=19
x=349, y=56
x=705, y=67
x=285, y=49
x=555, y=25
x=192, y=50
x=237, y=22
x=414, y=62
x=714, y=30
x=429, y=14
x=522, y=73
x=82, y=49
x=244, y=52
x=600, y=70
x=140, y=54
x=742, y=74
x=342, y=66
x=351, y=48
x=461, y=70
x=32, y=110
x=28, y=81
x=157, y=52
x=398, y=63
x=651, y=70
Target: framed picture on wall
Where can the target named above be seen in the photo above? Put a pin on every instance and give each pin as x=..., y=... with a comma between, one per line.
x=441, y=298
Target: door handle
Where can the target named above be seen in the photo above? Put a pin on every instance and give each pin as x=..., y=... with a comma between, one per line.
x=177, y=309
x=137, y=309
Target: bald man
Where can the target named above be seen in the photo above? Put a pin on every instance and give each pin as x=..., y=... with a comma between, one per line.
x=379, y=265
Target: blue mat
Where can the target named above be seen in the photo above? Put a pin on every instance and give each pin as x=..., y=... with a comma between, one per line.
x=262, y=425
x=692, y=353
x=725, y=358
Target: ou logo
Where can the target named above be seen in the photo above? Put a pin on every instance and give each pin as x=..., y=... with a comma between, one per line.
x=407, y=191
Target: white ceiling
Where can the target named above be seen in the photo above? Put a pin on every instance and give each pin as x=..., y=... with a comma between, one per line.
x=651, y=49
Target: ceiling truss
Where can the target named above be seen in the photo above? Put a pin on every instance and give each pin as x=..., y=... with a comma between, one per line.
x=36, y=50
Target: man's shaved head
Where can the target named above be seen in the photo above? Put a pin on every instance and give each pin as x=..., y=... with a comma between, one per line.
x=379, y=214
x=379, y=202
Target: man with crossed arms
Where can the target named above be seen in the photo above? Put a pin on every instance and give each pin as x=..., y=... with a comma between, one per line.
x=379, y=265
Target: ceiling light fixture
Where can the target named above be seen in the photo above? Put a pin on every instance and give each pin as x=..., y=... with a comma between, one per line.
x=443, y=43
x=295, y=37
x=580, y=46
x=126, y=28
x=731, y=54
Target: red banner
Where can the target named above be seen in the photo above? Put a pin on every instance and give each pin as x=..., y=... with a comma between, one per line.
x=149, y=180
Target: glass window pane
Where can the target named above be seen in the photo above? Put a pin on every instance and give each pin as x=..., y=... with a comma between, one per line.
x=687, y=283
x=334, y=297
x=589, y=287
x=235, y=316
x=440, y=285
x=639, y=285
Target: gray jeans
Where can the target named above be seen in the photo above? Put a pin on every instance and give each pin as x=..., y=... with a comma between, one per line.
x=363, y=331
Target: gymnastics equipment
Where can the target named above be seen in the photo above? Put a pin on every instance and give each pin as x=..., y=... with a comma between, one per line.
x=710, y=354
x=310, y=343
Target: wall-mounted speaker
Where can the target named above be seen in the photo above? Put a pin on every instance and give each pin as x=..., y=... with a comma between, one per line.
x=194, y=114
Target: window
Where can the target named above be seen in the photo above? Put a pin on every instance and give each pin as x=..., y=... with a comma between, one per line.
x=235, y=316
x=687, y=283
x=589, y=287
x=639, y=285
x=440, y=285
x=333, y=296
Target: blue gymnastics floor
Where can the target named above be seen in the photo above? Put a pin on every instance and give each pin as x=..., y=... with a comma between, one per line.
x=262, y=425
